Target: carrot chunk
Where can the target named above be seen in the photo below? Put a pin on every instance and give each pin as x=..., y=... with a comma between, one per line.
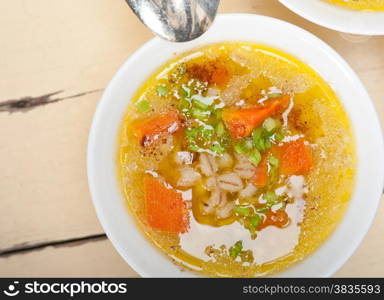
x=241, y=122
x=295, y=157
x=260, y=178
x=155, y=127
x=165, y=208
x=278, y=219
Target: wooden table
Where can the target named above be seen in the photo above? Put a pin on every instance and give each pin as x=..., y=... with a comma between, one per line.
x=56, y=59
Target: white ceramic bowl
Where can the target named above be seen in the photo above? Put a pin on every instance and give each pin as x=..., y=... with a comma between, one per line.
x=118, y=223
x=338, y=18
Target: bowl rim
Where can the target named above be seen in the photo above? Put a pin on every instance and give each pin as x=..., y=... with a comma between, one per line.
x=342, y=23
x=94, y=142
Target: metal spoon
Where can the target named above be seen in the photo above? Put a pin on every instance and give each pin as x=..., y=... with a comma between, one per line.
x=176, y=20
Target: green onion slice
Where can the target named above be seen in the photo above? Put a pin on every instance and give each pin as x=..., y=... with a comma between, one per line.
x=242, y=211
x=143, y=106
x=244, y=146
x=236, y=249
x=162, y=90
x=255, y=157
x=270, y=124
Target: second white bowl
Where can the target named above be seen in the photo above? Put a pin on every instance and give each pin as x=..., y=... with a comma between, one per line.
x=338, y=18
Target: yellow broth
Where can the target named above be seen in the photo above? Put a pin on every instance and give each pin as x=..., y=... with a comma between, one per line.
x=375, y=5
x=255, y=73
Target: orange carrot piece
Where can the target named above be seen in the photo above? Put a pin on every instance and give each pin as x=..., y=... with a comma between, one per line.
x=165, y=208
x=241, y=122
x=295, y=158
x=278, y=219
x=260, y=178
x=157, y=126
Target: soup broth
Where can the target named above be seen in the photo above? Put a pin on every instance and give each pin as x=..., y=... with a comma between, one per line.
x=375, y=5
x=237, y=160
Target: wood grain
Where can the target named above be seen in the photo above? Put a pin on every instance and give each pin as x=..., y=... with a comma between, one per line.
x=49, y=46
x=98, y=258
x=74, y=47
x=92, y=259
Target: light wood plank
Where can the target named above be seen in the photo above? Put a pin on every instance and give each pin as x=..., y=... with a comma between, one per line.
x=368, y=260
x=43, y=186
x=91, y=259
x=64, y=45
x=75, y=46
x=99, y=259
